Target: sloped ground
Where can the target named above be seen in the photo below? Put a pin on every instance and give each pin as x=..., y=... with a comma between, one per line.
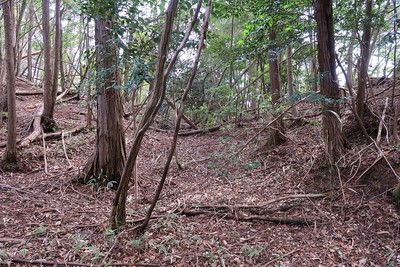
x=227, y=192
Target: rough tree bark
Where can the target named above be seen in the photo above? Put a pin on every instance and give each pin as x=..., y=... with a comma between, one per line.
x=332, y=133
x=108, y=159
x=48, y=94
x=10, y=154
x=277, y=130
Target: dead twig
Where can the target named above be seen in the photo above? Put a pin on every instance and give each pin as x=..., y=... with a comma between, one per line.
x=381, y=122
x=281, y=257
x=44, y=154
x=65, y=150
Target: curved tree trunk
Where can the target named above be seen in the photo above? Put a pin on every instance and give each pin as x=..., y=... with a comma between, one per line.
x=118, y=213
x=108, y=159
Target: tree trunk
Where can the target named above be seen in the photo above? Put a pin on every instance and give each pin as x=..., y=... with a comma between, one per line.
x=364, y=61
x=350, y=65
x=179, y=115
x=118, y=213
x=18, y=51
x=57, y=50
x=10, y=155
x=108, y=159
x=30, y=37
x=331, y=123
x=277, y=130
x=48, y=94
x=290, y=79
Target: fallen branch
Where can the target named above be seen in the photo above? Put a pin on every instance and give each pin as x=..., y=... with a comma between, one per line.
x=28, y=93
x=65, y=151
x=193, y=132
x=381, y=122
x=238, y=217
x=202, y=131
x=44, y=154
x=63, y=263
x=296, y=196
x=12, y=240
x=281, y=257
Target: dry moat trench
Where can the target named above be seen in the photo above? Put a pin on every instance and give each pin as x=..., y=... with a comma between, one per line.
x=260, y=207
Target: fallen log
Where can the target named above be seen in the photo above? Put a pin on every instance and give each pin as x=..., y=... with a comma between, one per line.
x=201, y=131
x=28, y=93
x=243, y=218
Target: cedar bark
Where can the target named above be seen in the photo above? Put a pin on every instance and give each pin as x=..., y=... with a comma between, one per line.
x=10, y=155
x=277, y=130
x=332, y=134
x=108, y=159
x=48, y=94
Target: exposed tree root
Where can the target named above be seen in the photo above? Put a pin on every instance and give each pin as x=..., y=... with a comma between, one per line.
x=36, y=124
x=48, y=136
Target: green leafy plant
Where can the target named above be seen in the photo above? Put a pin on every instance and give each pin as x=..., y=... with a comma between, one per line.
x=23, y=252
x=39, y=230
x=252, y=165
x=210, y=257
x=253, y=252
x=139, y=243
x=3, y=256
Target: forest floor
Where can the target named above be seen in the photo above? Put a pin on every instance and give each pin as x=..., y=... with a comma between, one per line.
x=232, y=204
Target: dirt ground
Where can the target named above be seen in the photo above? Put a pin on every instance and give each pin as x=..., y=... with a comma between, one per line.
x=231, y=205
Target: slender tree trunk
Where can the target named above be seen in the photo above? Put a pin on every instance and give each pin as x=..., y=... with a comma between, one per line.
x=350, y=67
x=57, y=50
x=180, y=116
x=118, y=213
x=277, y=131
x=30, y=37
x=397, y=107
x=88, y=78
x=108, y=159
x=314, y=69
x=10, y=155
x=290, y=78
x=364, y=61
x=332, y=134
x=18, y=51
